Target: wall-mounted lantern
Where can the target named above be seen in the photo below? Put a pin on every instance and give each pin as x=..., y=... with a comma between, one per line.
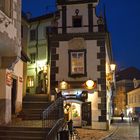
x=112, y=67
x=90, y=84
x=63, y=85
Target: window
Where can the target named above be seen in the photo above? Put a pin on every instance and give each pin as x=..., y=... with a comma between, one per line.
x=30, y=81
x=77, y=63
x=50, y=29
x=77, y=21
x=33, y=35
x=33, y=57
x=5, y=6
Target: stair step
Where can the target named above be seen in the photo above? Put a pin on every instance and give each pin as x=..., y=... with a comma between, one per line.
x=13, y=128
x=20, y=138
x=35, y=105
x=36, y=97
x=20, y=133
x=23, y=133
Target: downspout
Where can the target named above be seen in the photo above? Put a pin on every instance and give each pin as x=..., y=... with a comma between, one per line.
x=37, y=39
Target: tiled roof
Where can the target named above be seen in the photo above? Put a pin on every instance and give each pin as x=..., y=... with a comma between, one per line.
x=128, y=74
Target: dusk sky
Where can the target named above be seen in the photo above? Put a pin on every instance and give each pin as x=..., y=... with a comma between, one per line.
x=123, y=21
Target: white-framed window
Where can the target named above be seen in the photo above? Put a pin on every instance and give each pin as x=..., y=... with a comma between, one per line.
x=77, y=62
x=6, y=7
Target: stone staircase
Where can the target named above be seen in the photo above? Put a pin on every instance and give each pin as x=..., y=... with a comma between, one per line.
x=27, y=125
x=32, y=123
x=33, y=106
x=22, y=133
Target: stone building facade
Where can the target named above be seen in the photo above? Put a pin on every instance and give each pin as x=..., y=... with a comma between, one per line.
x=81, y=52
x=11, y=65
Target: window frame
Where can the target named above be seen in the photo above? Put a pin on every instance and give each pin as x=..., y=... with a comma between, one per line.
x=74, y=18
x=71, y=74
x=33, y=38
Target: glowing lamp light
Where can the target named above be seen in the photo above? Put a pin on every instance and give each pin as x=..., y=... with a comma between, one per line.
x=89, y=84
x=63, y=85
x=112, y=67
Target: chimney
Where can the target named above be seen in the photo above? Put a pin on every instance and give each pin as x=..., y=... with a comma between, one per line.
x=28, y=15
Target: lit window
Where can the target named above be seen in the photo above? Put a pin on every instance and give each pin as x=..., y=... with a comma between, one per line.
x=77, y=63
x=30, y=81
x=77, y=21
x=5, y=6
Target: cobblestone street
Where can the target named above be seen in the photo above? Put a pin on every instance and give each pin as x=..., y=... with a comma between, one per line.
x=118, y=131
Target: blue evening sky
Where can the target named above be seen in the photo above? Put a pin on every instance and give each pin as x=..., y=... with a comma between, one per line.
x=123, y=21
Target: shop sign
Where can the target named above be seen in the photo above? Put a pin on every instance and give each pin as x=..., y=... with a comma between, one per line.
x=8, y=79
x=82, y=96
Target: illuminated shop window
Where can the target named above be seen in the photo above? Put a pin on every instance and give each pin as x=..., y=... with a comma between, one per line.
x=77, y=63
x=5, y=6
x=30, y=81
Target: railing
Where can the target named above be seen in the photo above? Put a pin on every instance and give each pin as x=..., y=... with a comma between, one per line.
x=53, y=132
x=53, y=117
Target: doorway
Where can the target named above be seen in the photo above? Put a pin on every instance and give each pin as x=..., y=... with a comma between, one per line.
x=86, y=113
x=14, y=96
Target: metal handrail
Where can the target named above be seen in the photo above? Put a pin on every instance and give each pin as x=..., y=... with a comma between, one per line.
x=52, y=116
x=54, y=129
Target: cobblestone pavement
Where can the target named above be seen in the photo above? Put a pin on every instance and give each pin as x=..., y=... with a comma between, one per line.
x=125, y=131
x=89, y=134
x=118, y=131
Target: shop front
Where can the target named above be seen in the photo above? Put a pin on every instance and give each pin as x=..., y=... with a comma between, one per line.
x=77, y=108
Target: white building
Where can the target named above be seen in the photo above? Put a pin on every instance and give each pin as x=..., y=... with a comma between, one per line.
x=81, y=52
x=133, y=99
x=11, y=65
x=38, y=70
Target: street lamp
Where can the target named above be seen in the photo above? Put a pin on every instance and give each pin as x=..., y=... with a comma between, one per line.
x=112, y=67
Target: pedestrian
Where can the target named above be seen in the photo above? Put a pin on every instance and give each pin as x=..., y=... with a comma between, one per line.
x=122, y=115
x=130, y=116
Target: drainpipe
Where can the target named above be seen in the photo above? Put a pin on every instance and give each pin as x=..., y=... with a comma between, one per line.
x=37, y=39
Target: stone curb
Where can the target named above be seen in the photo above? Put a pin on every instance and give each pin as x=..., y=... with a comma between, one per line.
x=111, y=133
